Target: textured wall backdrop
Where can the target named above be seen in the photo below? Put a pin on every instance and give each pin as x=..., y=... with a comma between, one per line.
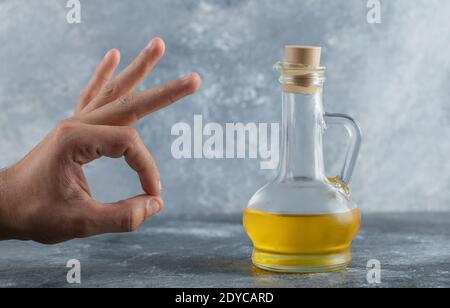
x=392, y=77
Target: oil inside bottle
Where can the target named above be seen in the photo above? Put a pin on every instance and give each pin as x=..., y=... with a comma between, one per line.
x=302, y=243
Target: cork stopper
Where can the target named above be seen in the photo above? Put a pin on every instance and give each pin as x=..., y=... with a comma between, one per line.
x=305, y=55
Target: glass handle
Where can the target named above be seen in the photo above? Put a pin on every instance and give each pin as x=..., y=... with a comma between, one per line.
x=354, y=132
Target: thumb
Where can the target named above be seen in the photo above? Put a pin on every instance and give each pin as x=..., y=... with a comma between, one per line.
x=124, y=216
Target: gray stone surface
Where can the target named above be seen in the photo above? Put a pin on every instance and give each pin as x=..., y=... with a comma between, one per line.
x=414, y=250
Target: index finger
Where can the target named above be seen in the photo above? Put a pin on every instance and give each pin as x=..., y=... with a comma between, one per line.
x=94, y=141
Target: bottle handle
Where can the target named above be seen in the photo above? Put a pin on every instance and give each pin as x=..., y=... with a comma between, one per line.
x=354, y=132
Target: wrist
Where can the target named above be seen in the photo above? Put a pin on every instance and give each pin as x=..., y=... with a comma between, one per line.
x=6, y=231
x=2, y=202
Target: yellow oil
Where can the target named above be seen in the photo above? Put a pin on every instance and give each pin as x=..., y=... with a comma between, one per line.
x=296, y=243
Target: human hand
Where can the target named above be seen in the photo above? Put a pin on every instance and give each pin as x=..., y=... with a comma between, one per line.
x=45, y=197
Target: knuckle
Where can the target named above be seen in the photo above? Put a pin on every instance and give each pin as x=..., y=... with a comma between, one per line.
x=110, y=91
x=101, y=79
x=132, y=136
x=152, y=163
x=65, y=128
x=165, y=89
x=80, y=228
x=171, y=95
x=131, y=221
x=167, y=92
x=126, y=100
x=139, y=66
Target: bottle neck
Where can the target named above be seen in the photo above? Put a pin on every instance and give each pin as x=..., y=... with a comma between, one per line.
x=302, y=149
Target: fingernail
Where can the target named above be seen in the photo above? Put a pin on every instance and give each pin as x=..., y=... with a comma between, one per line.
x=107, y=54
x=149, y=45
x=153, y=207
x=160, y=186
x=186, y=78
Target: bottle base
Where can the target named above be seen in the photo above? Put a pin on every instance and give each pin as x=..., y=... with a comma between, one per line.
x=301, y=264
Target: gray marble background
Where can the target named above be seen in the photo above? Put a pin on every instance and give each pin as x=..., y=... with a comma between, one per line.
x=392, y=77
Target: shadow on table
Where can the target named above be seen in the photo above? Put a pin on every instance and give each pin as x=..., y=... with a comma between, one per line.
x=242, y=271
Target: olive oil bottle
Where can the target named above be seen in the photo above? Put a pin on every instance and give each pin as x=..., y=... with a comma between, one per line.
x=303, y=221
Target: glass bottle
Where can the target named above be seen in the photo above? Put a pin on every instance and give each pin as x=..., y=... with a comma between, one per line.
x=303, y=221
